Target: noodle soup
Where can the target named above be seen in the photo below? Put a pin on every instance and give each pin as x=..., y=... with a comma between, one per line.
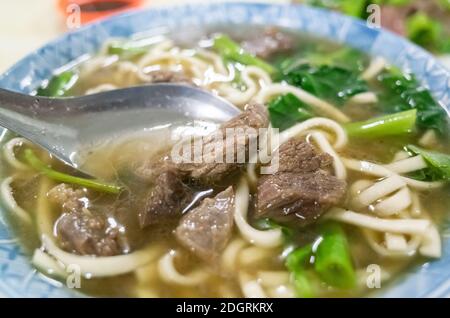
x=334, y=211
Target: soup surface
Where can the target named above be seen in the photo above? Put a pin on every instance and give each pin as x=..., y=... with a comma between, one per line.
x=357, y=194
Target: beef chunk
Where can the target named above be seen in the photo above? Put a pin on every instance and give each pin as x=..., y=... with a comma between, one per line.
x=87, y=234
x=69, y=199
x=254, y=116
x=169, y=195
x=206, y=230
x=299, y=156
x=300, y=197
x=81, y=231
x=300, y=191
x=166, y=198
x=246, y=125
x=272, y=41
x=169, y=77
x=146, y=171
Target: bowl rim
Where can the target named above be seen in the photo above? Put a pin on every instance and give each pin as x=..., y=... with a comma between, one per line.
x=11, y=77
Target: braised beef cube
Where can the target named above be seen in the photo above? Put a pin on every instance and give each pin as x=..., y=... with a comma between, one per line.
x=80, y=230
x=165, y=200
x=300, y=190
x=271, y=42
x=296, y=155
x=299, y=197
x=254, y=116
x=163, y=76
x=241, y=130
x=69, y=199
x=87, y=234
x=206, y=230
x=146, y=171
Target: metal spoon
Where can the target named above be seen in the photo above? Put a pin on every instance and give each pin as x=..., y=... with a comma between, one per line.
x=63, y=125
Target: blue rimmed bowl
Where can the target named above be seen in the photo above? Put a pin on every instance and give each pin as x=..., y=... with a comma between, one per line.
x=19, y=279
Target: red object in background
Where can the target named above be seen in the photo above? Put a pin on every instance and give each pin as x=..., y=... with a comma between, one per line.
x=91, y=10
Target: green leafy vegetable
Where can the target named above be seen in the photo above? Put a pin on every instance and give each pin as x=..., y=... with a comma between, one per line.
x=38, y=165
x=231, y=50
x=127, y=49
x=388, y=125
x=438, y=164
x=423, y=30
x=329, y=82
x=297, y=263
x=268, y=224
x=347, y=58
x=333, y=263
x=287, y=110
x=403, y=92
x=58, y=85
x=424, y=175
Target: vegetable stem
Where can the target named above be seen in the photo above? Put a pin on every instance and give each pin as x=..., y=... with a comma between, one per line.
x=233, y=51
x=126, y=49
x=297, y=262
x=38, y=165
x=388, y=125
x=333, y=263
x=58, y=85
x=330, y=261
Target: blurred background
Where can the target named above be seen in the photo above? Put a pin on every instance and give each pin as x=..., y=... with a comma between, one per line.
x=27, y=24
